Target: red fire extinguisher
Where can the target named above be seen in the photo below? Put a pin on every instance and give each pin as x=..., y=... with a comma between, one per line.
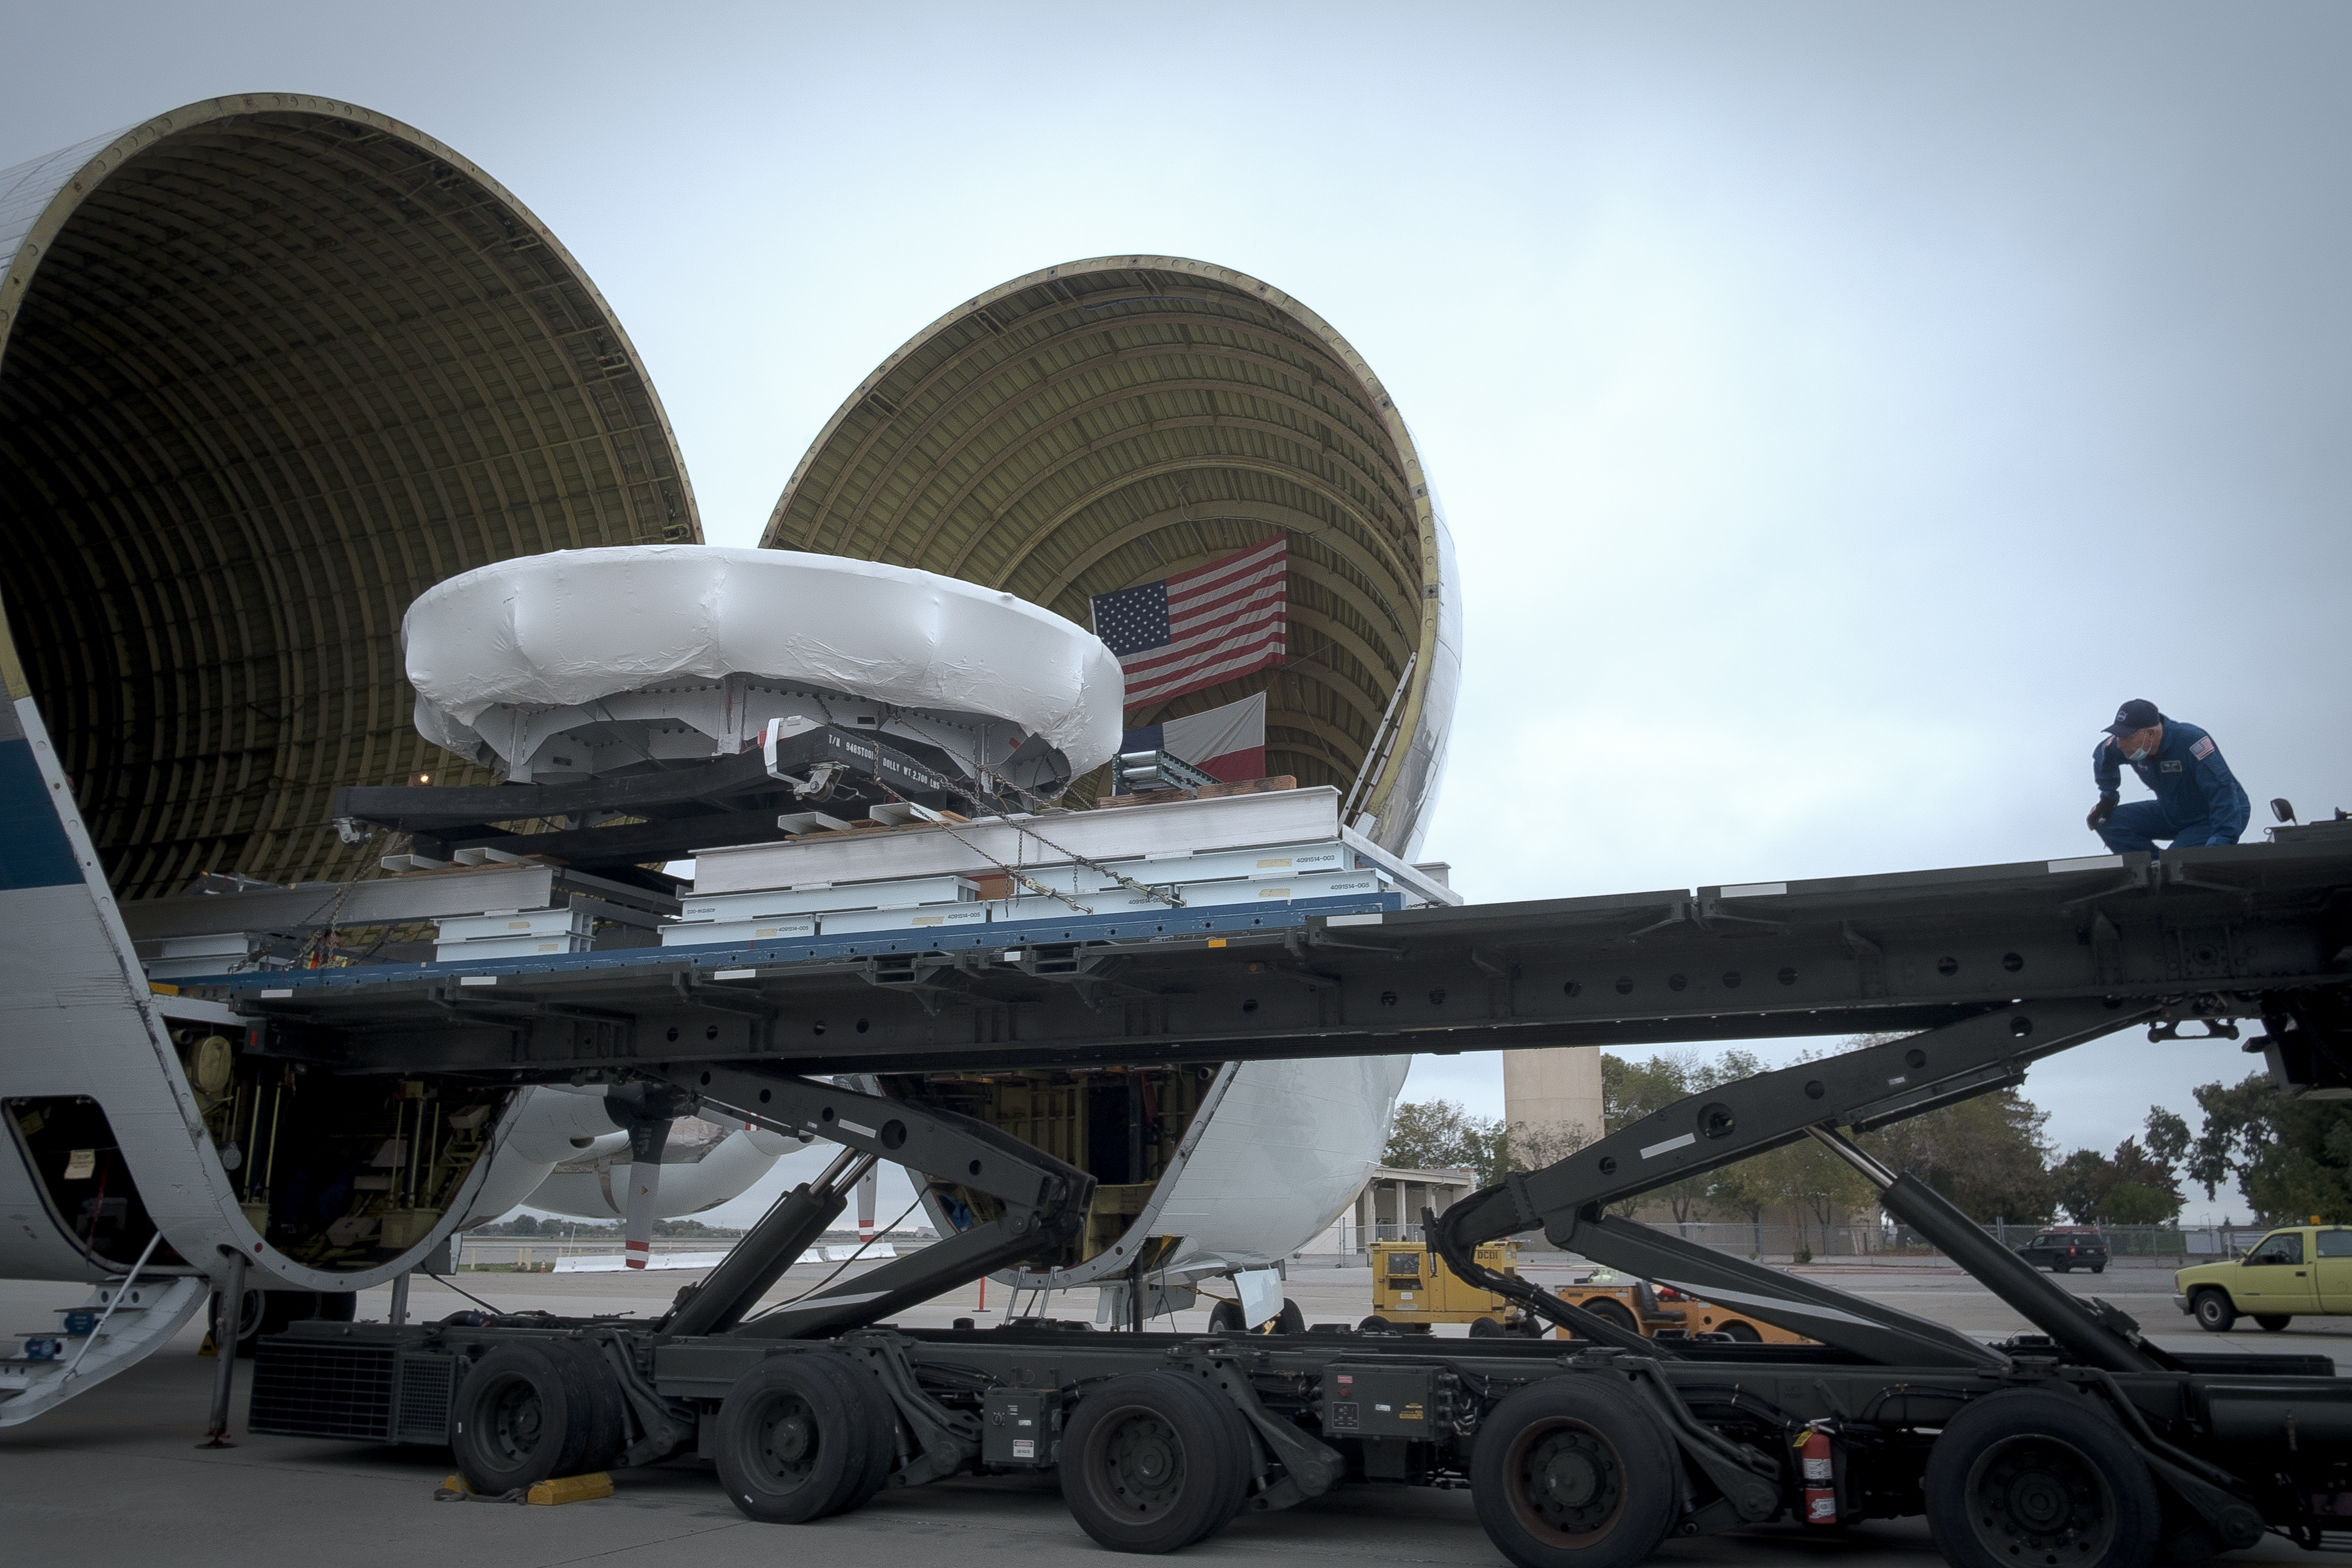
x=1821, y=1474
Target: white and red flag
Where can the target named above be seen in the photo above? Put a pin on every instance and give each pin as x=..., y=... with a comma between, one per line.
x=1226, y=743
x=1201, y=626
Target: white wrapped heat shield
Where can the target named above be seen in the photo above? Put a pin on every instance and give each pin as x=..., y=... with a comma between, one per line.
x=579, y=626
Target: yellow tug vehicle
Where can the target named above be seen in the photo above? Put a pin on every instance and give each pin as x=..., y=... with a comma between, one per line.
x=1412, y=1290
x=1660, y=1311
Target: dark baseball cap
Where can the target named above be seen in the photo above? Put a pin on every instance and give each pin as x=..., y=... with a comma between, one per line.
x=2133, y=717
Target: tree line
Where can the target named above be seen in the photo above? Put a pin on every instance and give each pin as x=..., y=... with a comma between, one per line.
x=1990, y=1155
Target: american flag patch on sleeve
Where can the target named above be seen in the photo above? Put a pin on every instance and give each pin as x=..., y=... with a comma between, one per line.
x=2202, y=749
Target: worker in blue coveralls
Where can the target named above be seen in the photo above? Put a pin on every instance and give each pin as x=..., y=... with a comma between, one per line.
x=2198, y=801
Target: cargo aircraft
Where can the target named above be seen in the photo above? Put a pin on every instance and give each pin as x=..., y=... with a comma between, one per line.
x=341, y=366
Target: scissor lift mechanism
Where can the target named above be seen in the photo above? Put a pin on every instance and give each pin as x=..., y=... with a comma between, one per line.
x=1992, y=968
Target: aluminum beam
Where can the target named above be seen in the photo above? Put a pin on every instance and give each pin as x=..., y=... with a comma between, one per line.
x=388, y=901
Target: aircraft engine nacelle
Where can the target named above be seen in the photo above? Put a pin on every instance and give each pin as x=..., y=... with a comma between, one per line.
x=548, y=1127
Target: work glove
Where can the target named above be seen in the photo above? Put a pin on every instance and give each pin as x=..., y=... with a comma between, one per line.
x=2100, y=813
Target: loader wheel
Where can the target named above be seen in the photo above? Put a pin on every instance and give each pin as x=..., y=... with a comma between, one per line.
x=604, y=1415
x=798, y=1439
x=2028, y=1479
x=1574, y=1472
x=1153, y=1461
x=2214, y=1310
x=1376, y=1324
x=1485, y=1329
x=523, y=1416
x=1740, y=1333
x=881, y=1433
x=2272, y=1323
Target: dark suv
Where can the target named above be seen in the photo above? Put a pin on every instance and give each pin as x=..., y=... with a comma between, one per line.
x=2064, y=1246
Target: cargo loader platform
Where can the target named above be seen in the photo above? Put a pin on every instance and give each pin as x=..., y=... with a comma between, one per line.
x=2082, y=1443
x=2203, y=937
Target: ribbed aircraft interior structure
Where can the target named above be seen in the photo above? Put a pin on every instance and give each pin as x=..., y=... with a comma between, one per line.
x=1113, y=421
x=270, y=367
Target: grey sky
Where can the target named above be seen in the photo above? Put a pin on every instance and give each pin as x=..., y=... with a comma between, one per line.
x=1839, y=409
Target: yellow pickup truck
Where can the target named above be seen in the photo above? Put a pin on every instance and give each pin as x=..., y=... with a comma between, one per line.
x=2295, y=1271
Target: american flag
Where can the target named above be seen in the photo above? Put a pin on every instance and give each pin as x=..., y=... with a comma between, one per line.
x=1199, y=628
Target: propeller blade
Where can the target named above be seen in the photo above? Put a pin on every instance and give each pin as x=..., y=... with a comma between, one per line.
x=647, y=1140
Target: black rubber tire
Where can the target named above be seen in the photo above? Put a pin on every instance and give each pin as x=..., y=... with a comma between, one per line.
x=1154, y=1461
x=522, y=1417
x=2272, y=1322
x=1376, y=1324
x=605, y=1412
x=1740, y=1333
x=2098, y=1269
x=882, y=1422
x=2025, y=1479
x=1485, y=1329
x=1615, y=1313
x=1226, y=1318
x=1575, y=1472
x=795, y=1440
x=2062, y=1268
x=2214, y=1312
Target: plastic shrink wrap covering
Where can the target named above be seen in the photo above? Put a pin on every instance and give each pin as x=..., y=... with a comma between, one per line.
x=577, y=625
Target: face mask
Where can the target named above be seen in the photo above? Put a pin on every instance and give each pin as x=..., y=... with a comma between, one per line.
x=2139, y=755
